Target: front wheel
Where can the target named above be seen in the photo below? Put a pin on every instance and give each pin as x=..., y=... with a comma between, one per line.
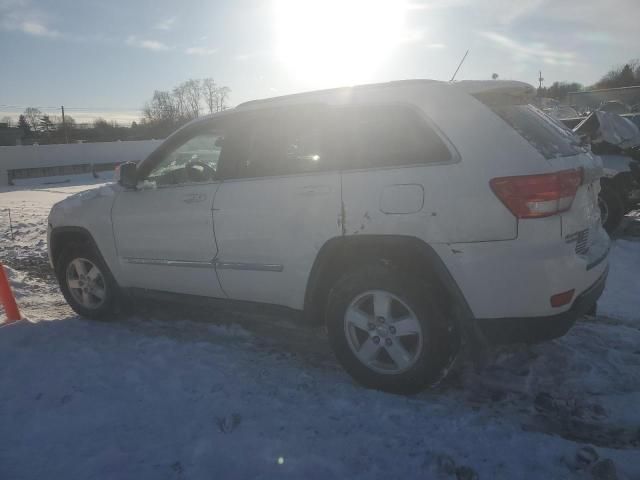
x=387, y=330
x=85, y=281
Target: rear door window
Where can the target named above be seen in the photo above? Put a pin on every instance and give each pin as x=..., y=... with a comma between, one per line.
x=370, y=136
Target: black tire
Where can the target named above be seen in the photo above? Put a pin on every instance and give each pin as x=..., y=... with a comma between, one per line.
x=84, y=251
x=437, y=345
x=611, y=208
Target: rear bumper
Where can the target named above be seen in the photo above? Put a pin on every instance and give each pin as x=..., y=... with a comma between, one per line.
x=537, y=329
x=517, y=278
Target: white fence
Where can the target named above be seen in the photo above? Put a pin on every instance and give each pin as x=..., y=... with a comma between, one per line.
x=27, y=162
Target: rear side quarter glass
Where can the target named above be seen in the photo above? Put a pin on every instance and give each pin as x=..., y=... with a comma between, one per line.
x=550, y=138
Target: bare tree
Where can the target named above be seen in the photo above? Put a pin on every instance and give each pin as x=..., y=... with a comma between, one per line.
x=162, y=108
x=180, y=100
x=210, y=94
x=33, y=117
x=184, y=102
x=193, y=97
x=223, y=96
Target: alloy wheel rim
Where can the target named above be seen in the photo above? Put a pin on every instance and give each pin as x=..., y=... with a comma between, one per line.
x=383, y=332
x=86, y=283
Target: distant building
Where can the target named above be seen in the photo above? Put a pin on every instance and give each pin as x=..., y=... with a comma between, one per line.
x=10, y=136
x=592, y=99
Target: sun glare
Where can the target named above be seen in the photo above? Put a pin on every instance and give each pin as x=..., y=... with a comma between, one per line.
x=337, y=42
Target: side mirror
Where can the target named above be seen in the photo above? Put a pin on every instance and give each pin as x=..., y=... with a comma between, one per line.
x=127, y=174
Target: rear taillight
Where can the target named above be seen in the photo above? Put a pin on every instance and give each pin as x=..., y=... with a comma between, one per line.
x=535, y=196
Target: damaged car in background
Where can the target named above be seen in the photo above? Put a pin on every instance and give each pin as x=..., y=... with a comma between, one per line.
x=616, y=140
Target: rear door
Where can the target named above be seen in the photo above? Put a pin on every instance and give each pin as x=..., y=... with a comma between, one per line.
x=278, y=204
x=395, y=172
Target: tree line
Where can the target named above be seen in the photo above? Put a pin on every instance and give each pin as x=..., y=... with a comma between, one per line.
x=166, y=111
x=627, y=75
x=169, y=109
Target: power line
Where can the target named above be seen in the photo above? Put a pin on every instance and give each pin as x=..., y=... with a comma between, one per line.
x=89, y=109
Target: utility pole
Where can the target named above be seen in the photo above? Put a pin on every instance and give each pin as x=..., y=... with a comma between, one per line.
x=540, y=80
x=64, y=126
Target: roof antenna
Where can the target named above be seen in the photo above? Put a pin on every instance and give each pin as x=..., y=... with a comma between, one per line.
x=459, y=65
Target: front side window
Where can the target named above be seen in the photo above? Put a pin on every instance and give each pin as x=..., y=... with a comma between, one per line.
x=195, y=160
x=283, y=144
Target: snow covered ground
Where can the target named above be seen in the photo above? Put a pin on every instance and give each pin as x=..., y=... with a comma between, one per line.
x=182, y=393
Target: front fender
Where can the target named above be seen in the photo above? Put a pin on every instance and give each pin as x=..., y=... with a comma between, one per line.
x=89, y=211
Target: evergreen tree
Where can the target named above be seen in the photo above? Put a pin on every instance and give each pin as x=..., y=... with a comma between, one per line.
x=23, y=124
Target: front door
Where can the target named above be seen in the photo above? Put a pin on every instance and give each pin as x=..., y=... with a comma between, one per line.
x=164, y=229
x=279, y=203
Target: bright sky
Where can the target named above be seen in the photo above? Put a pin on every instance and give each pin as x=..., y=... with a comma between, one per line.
x=107, y=57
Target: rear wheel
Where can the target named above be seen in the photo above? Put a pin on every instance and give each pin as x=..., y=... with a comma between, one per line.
x=387, y=330
x=85, y=281
x=611, y=208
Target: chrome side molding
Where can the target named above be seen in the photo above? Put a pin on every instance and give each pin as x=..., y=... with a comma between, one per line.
x=259, y=267
x=169, y=263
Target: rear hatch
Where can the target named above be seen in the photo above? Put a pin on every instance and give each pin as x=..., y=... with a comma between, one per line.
x=561, y=149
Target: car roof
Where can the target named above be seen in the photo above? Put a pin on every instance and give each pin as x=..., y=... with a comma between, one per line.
x=508, y=87
x=336, y=92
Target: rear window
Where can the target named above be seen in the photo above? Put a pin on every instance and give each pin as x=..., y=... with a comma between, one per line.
x=550, y=137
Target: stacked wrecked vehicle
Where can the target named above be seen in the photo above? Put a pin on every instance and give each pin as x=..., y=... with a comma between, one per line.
x=616, y=140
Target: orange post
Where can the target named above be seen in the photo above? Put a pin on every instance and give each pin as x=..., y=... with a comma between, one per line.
x=7, y=299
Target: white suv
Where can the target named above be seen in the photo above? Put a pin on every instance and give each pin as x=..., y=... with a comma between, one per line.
x=411, y=217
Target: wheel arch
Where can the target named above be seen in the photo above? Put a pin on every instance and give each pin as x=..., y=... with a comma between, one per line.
x=63, y=236
x=410, y=253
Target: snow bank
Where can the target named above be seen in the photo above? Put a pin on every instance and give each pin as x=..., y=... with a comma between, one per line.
x=621, y=298
x=125, y=400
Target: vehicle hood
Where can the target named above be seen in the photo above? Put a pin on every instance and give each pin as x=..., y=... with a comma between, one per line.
x=87, y=203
